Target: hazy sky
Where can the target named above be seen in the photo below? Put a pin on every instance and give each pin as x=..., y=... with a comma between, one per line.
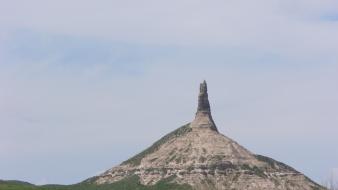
x=85, y=85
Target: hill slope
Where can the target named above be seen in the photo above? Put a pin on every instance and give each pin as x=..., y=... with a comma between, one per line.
x=193, y=157
x=199, y=156
x=129, y=183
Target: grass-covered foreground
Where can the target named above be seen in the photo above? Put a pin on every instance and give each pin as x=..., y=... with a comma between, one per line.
x=131, y=183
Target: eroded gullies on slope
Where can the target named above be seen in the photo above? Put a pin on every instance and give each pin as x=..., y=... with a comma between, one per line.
x=198, y=155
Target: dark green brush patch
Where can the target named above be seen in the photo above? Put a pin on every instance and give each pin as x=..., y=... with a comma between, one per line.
x=274, y=164
x=265, y=159
x=275, y=181
x=136, y=160
x=202, y=159
x=130, y=183
x=152, y=160
x=178, y=160
x=254, y=170
x=218, y=157
x=15, y=185
x=259, y=172
x=171, y=159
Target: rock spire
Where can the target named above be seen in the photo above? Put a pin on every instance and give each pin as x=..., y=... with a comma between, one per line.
x=203, y=116
x=197, y=157
x=203, y=102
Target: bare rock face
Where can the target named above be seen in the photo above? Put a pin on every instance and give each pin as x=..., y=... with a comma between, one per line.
x=198, y=155
x=203, y=101
x=203, y=116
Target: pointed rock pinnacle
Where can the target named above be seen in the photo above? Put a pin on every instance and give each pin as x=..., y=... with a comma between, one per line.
x=203, y=102
x=203, y=116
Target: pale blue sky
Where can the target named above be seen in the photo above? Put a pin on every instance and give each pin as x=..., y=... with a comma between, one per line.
x=85, y=85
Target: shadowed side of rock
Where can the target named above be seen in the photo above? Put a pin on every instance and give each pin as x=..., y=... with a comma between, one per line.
x=203, y=116
x=196, y=156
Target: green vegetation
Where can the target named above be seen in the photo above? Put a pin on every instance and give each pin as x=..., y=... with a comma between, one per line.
x=279, y=165
x=131, y=183
x=202, y=159
x=254, y=170
x=171, y=159
x=204, y=150
x=274, y=164
x=136, y=160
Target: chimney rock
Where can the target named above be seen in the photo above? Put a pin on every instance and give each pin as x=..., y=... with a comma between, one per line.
x=203, y=116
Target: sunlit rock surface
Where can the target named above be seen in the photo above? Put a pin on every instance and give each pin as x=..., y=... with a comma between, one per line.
x=198, y=155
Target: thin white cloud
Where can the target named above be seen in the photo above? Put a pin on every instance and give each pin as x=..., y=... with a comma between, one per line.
x=261, y=23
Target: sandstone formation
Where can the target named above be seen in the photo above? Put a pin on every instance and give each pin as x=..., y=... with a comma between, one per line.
x=198, y=155
x=203, y=116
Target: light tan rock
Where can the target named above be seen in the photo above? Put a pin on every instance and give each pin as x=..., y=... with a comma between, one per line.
x=198, y=155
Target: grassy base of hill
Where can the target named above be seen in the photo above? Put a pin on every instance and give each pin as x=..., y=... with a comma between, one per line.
x=126, y=184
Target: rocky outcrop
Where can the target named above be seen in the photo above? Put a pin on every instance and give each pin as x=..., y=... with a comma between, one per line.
x=203, y=116
x=198, y=155
x=203, y=101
